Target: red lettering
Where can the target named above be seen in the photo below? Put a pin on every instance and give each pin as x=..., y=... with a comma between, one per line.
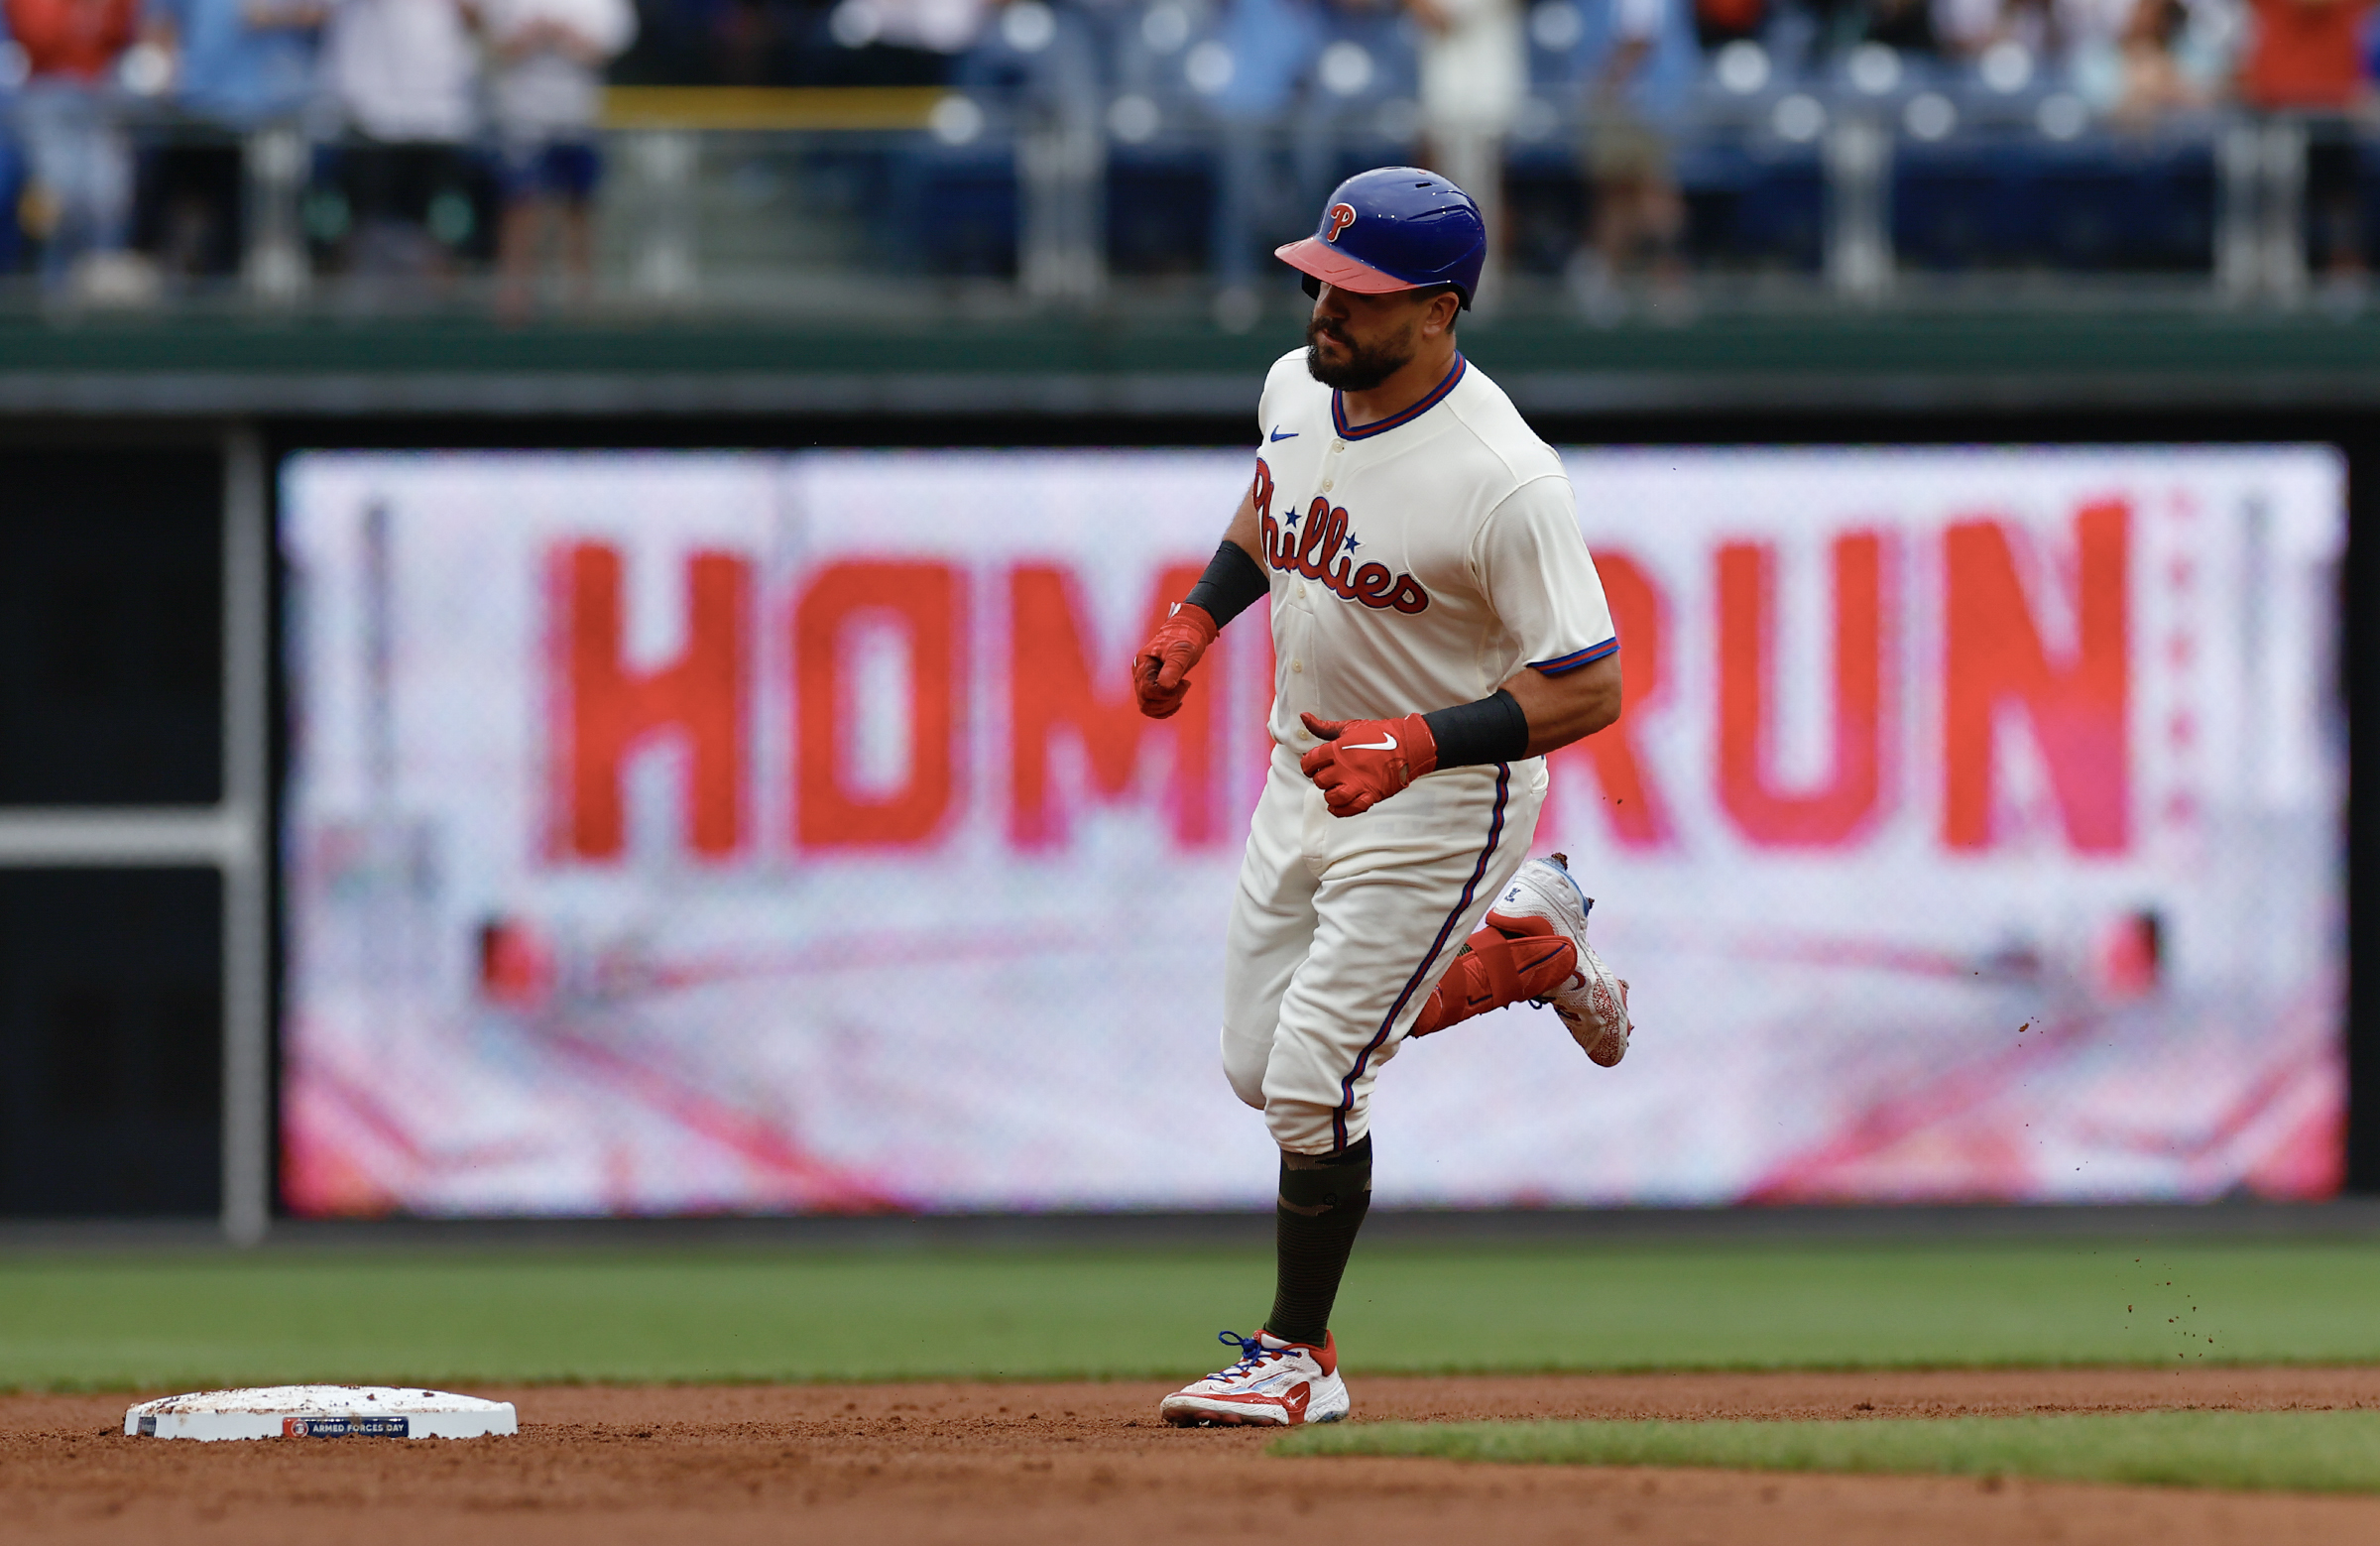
x=1320, y=554
x=1324, y=526
x=1831, y=812
x=1633, y=803
x=1993, y=655
x=925, y=600
x=606, y=711
x=1050, y=685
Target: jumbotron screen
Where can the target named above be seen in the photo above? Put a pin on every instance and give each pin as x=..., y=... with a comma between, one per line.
x=693, y=833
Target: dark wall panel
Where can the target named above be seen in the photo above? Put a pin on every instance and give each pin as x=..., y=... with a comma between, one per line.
x=110, y=627
x=111, y=1042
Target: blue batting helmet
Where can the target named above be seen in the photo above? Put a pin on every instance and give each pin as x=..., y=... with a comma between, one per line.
x=1394, y=228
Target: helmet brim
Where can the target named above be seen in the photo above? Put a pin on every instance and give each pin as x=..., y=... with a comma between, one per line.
x=1336, y=269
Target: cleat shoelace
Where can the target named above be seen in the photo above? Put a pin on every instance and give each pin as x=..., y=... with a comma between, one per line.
x=1253, y=1353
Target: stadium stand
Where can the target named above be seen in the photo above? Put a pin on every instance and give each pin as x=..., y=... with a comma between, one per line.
x=1664, y=156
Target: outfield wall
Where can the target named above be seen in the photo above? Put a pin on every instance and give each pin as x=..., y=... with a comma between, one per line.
x=139, y=1059
x=702, y=832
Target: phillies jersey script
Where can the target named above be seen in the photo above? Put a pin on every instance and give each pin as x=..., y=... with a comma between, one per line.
x=1419, y=561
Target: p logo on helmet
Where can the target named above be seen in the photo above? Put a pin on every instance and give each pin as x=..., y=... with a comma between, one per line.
x=1341, y=217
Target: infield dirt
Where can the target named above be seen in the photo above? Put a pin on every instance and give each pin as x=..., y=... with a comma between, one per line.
x=1090, y=1462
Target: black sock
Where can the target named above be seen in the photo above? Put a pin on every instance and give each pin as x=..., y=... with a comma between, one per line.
x=1324, y=1198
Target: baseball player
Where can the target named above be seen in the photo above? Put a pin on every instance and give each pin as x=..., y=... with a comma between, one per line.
x=1439, y=627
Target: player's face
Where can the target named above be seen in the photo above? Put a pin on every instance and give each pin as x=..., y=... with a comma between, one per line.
x=1354, y=342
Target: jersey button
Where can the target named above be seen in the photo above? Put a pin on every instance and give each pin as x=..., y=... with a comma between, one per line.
x=1337, y=447
x=1326, y=485
x=1297, y=665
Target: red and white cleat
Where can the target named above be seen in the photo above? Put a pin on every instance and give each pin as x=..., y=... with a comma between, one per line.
x=1275, y=1384
x=1592, y=1003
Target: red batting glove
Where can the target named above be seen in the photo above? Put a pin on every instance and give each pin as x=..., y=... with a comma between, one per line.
x=1362, y=761
x=1161, y=671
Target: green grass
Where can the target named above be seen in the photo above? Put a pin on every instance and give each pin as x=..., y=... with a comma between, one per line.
x=2300, y=1452
x=189, y=1320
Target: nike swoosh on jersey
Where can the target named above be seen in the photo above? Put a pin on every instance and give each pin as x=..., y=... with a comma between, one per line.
x=1278, y=436
x=1388, y=745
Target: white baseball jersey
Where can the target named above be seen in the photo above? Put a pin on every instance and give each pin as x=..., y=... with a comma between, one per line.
x=1416, y=564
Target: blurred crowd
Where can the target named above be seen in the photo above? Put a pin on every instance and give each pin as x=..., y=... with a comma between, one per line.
x=1626, y=83
x=433, y=130
x=412, y=118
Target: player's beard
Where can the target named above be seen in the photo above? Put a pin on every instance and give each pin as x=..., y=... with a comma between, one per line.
x=1366, y=367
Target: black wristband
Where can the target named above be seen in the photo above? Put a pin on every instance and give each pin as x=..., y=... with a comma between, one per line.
x=1231, y=584
x=1490, y=730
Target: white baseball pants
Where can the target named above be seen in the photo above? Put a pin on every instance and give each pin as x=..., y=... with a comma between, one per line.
x=1343, y=925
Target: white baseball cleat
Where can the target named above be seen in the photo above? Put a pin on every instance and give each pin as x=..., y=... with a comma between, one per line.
x=1275, y=1384
x=1592, y=1003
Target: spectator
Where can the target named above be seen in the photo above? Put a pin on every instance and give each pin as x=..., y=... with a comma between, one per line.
x=1636, y=85
x=2207, y=51
x=2152, y=79
x=1249, y=74
x=238, y=64
x=2304, y=61
x=79, y=201
x=1475, y=74
x=2094, y=39
x=1717, y=23
x=401, y=74
x=2306, y=55
x=546, y=96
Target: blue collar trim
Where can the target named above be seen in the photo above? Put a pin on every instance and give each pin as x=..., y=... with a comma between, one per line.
x=1436, y=395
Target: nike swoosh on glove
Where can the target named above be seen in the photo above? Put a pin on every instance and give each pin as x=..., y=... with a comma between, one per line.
x=1161, y=671
x=1362, y=761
